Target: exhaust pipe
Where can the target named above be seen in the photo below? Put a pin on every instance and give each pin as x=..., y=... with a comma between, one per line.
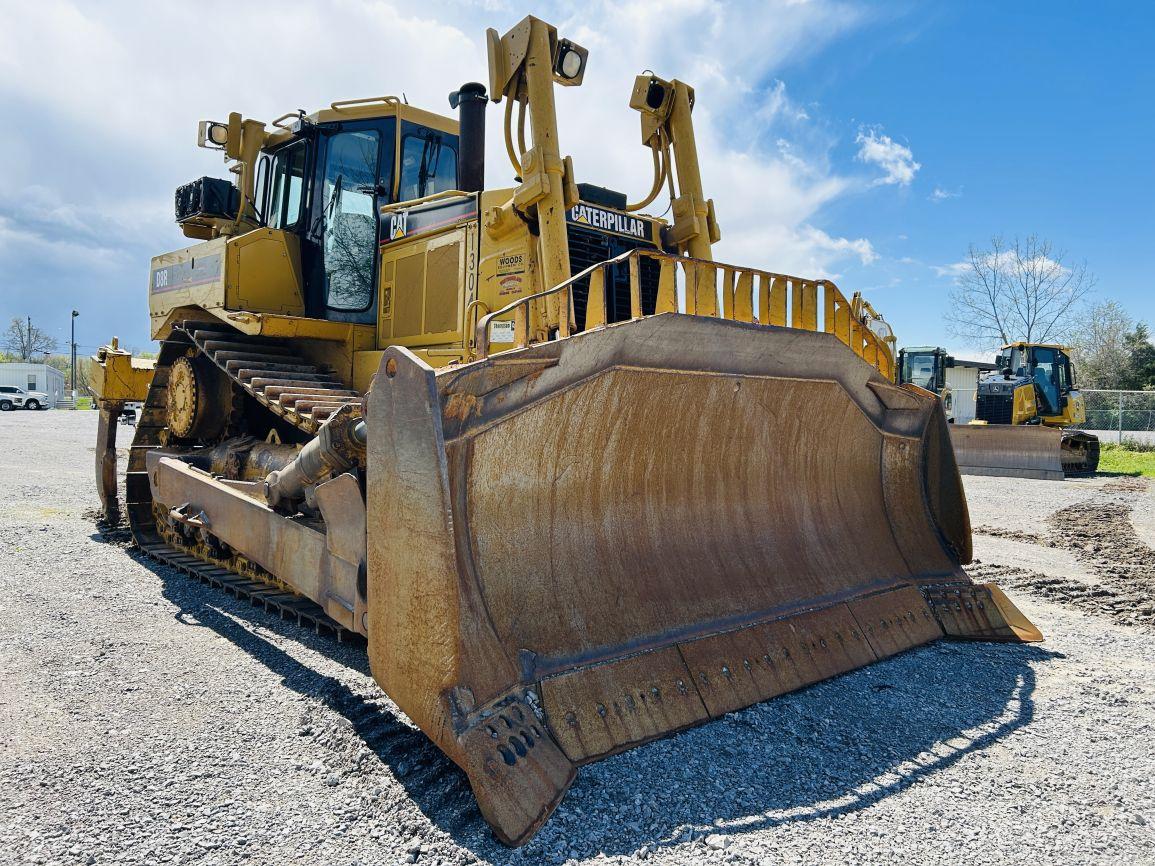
x=470, y=102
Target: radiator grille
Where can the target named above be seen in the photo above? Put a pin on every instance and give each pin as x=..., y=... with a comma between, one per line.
x=995, y=408
x=588, y=247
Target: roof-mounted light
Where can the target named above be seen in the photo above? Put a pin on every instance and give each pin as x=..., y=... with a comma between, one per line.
x=212, y=134
x=569, y=64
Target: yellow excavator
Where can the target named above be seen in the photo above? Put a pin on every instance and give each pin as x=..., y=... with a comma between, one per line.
x=1026, y=413
x=576, y=483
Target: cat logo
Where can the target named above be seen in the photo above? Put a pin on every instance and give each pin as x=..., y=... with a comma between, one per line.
x=608, y=220
x=398, y=224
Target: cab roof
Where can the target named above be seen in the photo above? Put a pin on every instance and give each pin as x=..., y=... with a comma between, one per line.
x=1023, y=344
x=288, y=125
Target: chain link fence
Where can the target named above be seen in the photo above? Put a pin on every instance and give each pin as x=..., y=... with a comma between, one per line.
x=1121, y=416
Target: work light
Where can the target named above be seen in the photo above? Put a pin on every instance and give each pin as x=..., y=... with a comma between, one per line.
x=569, y=62
x=212, y=134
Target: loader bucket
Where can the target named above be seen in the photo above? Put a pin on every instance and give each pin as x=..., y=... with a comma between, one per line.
x=587, y=544
x=1020, y=451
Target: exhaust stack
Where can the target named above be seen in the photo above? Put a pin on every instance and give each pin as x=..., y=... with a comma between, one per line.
x=470, y=102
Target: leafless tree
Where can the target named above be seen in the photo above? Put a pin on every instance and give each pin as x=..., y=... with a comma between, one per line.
x=26, y=341
x=1101, y=347
x=349, y=245
x=64, y=365
x=1025, y=290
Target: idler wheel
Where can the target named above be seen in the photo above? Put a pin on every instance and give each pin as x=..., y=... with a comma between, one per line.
x=199, y=396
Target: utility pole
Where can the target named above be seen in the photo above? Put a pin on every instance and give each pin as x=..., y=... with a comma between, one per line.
x=72, y=381
x=28, y=345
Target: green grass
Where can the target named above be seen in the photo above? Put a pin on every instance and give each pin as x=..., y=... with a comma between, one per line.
x=1126, y=460
x=83, y=402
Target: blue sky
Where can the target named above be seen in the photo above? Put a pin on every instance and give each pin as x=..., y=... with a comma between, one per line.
x=868, y=142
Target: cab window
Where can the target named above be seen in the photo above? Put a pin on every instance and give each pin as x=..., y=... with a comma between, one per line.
x=349, y=190
x=428, y=163
x=919, y=370
x=1063, y=371
x=261, y=189
x=288, y=185
x=1046, y=376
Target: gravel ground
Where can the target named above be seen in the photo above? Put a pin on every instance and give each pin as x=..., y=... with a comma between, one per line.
x=149, y=719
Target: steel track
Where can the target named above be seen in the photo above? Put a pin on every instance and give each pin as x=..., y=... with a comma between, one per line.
x=150, y=434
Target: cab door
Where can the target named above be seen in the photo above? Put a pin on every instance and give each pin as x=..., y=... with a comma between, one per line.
x=1045, y=367
x=353, y=174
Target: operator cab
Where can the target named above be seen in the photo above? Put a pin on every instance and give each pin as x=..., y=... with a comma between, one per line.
x=325, y=184
x=924, y=366
x=1047, y=367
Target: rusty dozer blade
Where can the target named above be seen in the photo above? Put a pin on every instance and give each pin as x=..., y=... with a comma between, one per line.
x=1018, y=451
x=584, y=545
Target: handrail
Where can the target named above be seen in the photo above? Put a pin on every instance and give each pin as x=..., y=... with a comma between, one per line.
x=339, y=105
x=424, y=200
x=520, y=307
x=746, y=295
x=277, y=123
x=367, y=100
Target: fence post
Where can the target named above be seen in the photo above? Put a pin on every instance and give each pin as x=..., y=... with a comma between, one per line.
x=1120, y=417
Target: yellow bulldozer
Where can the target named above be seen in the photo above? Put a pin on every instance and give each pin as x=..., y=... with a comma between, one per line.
x=576, y=483
x=1026, y=413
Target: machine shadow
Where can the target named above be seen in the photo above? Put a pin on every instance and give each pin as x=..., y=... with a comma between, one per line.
x=435, y=784
x=834, y=748
x=830, y=749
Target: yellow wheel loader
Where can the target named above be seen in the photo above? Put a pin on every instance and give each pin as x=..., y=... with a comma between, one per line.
x=577, y=484
x=1025, y=414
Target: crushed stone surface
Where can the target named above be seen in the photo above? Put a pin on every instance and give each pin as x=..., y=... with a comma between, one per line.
x=146, y=718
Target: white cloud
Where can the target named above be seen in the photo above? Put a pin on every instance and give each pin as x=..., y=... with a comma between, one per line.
x=1006, y=263
x=896, y=160
x=113, y=94
x=953, y=270
x=941, y=194
x=778, y=105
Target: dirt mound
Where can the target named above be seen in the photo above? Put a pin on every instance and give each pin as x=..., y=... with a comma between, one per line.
x=1125, y=605
x=1013, y=534
x=1102, y=536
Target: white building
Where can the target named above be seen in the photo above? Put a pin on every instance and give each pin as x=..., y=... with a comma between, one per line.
x=35, y=377
x=963, y=381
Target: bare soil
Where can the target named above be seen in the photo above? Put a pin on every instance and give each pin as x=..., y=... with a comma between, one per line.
x=1102, y=535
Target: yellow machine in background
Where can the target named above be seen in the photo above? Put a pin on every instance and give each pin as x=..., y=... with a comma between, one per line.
x=1026, y=412
x=117, y=379
x=926, y=366
x=578, y=484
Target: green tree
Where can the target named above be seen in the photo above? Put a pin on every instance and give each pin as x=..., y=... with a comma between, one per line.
x=64, y=364
x=1140, y=371
x=1100, y=343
